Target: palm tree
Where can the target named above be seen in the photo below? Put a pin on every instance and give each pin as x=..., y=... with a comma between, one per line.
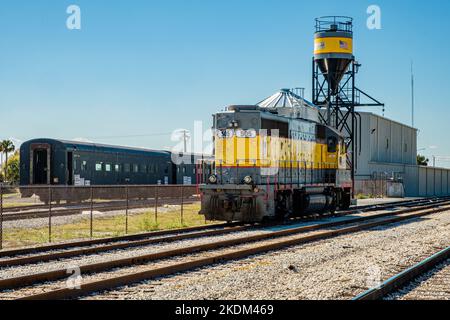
x=1, y=152
x=422, y=160
x=7, y=146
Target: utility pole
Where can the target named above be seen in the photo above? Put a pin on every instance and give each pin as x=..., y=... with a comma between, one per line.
x=185, y=140
x=412, y=95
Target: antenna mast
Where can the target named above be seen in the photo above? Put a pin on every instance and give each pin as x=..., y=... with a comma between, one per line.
x=412, y=94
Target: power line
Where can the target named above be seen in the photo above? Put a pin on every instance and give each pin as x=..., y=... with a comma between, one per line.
x=132, y=136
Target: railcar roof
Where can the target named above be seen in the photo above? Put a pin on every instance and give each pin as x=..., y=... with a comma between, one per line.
x=92, y=146
x=111, y=148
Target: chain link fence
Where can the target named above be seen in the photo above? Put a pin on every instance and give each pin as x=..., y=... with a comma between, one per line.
x=40, y=214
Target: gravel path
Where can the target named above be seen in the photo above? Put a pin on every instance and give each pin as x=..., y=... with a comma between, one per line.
x=337, y=268
x=433, y=285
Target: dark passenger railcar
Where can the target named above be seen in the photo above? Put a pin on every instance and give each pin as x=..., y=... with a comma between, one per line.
x=188, y=167
x=59, y=162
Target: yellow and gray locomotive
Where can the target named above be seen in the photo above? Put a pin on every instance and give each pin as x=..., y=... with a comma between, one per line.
x=274, y=160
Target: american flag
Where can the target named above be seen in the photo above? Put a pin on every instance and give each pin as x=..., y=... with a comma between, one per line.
x=343, y=45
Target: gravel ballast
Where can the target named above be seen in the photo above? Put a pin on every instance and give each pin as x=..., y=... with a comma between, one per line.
x=337, y=268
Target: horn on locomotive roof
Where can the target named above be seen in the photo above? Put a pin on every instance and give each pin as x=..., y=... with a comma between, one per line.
x=333, y=48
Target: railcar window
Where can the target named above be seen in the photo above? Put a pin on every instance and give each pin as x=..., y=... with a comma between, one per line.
x=127, y=167
x=108, y=167
x=332, y=144
x=272, y=125
x=150, y=168
x=117, y=168
x=321, y=132
x=144, y=168
x=135, y=168
x=343, y=148
x=84, y=166
x=99, y=166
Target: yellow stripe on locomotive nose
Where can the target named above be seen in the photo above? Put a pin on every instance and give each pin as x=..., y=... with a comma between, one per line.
x=333, y=45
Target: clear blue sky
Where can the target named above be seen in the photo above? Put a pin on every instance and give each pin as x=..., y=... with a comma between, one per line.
x=148, y=67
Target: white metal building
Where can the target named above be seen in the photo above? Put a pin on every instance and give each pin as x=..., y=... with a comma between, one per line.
x=388, y=150
x=382, y=141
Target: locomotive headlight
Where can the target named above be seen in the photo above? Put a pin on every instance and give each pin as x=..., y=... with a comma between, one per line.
x=212, y=178
x=248, y=180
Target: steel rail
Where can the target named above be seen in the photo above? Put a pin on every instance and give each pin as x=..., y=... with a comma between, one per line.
x=118, y=246
x=399, y=280
x=177, y=267
x=86, y=243
x=86, y=204
x=389, y=205
x=77, y=209
x=143, y=203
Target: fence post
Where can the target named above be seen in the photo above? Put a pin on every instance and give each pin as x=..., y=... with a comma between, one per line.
x=91, y=223
x=156, y=204
x=126, y=211
x=182, y=203
x=1, y=216
x=50, y=199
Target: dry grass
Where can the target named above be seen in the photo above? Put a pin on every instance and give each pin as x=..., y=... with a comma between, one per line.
x=107, y=226
x=17, y=204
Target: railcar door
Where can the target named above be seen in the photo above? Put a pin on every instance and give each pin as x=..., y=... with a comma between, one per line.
x=70, y=168
x=174, y=173
x=40, y=166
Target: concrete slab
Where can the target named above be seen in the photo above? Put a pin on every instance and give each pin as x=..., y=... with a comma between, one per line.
x=368, y=202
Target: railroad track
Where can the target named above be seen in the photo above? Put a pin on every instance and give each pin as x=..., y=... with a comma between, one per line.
x=429, y=279
x=118, y=272
x=11, y=214
x=85, y=204
x=433, y=285
x=42, y=210
x=75, y=248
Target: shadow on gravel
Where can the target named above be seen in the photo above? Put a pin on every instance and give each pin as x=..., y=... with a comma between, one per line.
x=399, y=224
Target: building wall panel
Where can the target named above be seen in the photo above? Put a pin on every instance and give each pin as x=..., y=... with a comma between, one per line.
x=438, y=182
